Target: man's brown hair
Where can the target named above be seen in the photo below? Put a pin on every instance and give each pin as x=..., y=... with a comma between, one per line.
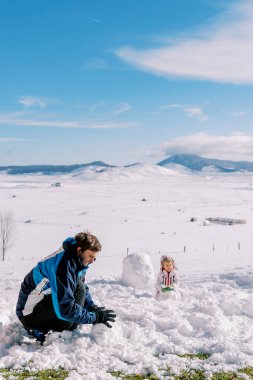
x=86, y=241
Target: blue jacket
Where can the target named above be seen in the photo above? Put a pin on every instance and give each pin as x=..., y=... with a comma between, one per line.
x=57, y=274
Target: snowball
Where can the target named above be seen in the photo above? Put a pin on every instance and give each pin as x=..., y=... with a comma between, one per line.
x=137, y=271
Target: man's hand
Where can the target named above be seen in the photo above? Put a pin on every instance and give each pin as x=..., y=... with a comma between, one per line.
x=94, y=307
x=105, y=316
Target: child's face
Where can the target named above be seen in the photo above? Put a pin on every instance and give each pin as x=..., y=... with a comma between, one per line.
x=168, y=266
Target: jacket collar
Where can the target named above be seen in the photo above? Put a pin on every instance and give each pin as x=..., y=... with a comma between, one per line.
x=70, y=246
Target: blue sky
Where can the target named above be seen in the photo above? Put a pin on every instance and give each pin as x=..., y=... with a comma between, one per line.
x=125, y=81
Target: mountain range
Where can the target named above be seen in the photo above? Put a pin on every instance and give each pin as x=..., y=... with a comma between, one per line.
x=197, y=163
x=51, y=169
x=189, y=161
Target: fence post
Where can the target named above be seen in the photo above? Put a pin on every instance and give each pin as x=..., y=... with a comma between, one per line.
x=239, y=246
x=213, y=248
x=184, y=248
x=127, y=251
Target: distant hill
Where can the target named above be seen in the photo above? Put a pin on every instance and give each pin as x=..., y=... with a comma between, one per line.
x=197, y=163
x=189, y=161
x=50, y=169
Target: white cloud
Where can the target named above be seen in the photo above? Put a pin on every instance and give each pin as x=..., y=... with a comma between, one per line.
x=31, y=101
x=196, y=112
x=25, y=121
x=191, y=111
x=121, y=108
x=221, y=51
x=236, y=146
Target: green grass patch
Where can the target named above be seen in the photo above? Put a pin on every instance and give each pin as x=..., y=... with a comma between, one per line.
x=227, y=376
x=47, y=374
x=192, y=374
x=137, y=376
x=234, y=375
x=248, y=371
x=61, y=374
x=199, y=355
x=186, y=375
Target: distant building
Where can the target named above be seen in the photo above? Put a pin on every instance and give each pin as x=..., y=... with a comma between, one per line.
x=56, y=184
x=227, y=221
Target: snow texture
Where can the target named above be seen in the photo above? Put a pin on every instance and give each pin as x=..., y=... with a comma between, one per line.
x=213, y=312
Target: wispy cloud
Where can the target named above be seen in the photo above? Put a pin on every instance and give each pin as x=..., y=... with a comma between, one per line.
x=101, y=64
x=191, y=111
x=31, y=101
x=110, y=125
x=25, y=121
x=17, y=120
x=93, y=19
x=221, y=51
x=96, y=63
x=97, y=105
x=237, y=146
x=240, y=113
x=14, y=139
x=121, y=108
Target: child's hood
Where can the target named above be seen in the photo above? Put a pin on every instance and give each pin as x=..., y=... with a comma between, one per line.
x=168, y=258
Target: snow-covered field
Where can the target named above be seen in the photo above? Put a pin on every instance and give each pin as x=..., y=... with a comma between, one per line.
x=137, y=209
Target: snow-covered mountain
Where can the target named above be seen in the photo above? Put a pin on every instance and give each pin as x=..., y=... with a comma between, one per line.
x=50, y=169
x=138, y=172
x=197, y=163
x=180, y=163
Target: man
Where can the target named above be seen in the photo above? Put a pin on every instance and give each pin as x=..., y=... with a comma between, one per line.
x=53, y=296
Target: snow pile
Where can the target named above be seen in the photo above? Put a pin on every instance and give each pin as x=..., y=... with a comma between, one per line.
x=212, y=316
x=138, y=270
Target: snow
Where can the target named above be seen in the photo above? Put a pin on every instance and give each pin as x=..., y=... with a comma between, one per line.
x=213, y=311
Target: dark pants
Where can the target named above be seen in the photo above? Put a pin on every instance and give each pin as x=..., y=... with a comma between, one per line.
x=43, y=317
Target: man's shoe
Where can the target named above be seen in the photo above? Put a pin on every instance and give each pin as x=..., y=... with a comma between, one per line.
x=38, y=335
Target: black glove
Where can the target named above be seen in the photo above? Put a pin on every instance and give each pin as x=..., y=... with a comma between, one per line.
x=103, y=316
x=94, y=307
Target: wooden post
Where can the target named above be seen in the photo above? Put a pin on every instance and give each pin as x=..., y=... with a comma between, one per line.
x=127, y=251
x=213, y=247
x=239, y=246
x=184, y=248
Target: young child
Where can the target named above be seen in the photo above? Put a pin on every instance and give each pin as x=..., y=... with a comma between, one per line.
x=167, y=279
